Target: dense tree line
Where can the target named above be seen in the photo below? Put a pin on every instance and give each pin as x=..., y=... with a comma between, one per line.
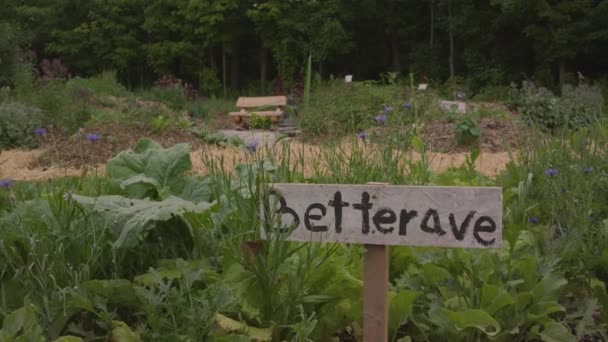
x=247, y=43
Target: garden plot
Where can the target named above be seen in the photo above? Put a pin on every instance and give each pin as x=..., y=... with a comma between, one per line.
x=26, y=165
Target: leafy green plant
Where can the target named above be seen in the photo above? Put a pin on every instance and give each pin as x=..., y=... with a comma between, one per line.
x=577, y=107
x=338, y=108
x=516, y=299
x=18, y=124
x=467, y=131
x=210, y=83
x=132, y=218
x=217, y=139
x=149, y=170
x=22, y=325
x=208, y=108
x=160, y=123
x=103, y=84
x=259, y=122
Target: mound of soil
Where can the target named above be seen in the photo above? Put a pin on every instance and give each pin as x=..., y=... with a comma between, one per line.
x=498, y=135
x=61, y=150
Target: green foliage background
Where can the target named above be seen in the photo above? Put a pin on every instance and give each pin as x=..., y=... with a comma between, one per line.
x=234, y=44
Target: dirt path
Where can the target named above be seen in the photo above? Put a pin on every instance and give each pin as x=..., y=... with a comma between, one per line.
x=16, y=164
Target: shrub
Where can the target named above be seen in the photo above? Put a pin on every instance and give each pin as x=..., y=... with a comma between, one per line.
x=338, y=108
x=102, y=84
x=467, y=131
x=204, y=108
x=18, y=123
x=160, y=123
x=210, y=83
x=576, y=108
x=259, y=122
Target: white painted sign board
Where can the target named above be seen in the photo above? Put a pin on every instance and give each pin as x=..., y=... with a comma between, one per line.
x=465, y=217
x=423, y=86
x=453, y=106
x=348, y=78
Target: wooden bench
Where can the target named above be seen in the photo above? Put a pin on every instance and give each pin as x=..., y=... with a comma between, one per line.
x=246, y=104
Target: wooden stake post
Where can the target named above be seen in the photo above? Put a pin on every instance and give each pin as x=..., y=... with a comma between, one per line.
x=375, y=293
x=375, y=290
x=378, y=215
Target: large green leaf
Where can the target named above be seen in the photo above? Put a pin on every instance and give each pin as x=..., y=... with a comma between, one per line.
x=548, y=288
x=554, y=332
x=122, y=333
x=22, y=325
x=196, y=189
x=150, y=167
x=23, y=318
x=494, y=298
x=230, y=326
x=543, y=309
x=476, y=319
x=131, y=218
x=401, y=308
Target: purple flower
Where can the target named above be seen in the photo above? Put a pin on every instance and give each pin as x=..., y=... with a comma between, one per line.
x=381, y=118
x=551, y=172
x=408, y=105
x=388, y=109
x=40, y=131
x=93, y=137
x=588, y=170
x=7, y=183
x=362, y=135
x=252, y=146
x=534, y=220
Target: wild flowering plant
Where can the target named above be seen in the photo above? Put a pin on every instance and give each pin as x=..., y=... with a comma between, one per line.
x=93, y=137
x=552, y=172
x=252, y=146
x=381, y=119
x=7, y=183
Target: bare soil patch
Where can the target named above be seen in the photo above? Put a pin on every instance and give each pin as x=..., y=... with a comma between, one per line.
x=75, y=151
x=63, y=155
x=498, y=135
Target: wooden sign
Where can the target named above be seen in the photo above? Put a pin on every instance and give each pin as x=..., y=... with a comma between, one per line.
x=466, y=217
x=453, y=106
x=379, y=215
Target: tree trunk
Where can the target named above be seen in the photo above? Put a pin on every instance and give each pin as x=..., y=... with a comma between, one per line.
x=263, y=67
x=212, y=61
x=562, y=71
x=224, y=76
x=321, y=69
x=396, y=54
x=432, y=42
x=451, y=33
x=234, y=65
